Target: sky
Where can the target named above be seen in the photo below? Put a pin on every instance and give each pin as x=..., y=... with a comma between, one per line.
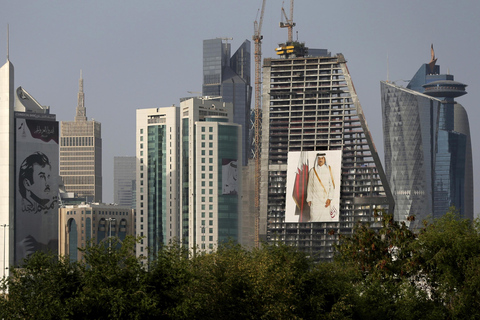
x=147, y=54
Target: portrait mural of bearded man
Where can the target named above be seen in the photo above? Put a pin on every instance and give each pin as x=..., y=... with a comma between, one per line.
x=36, y=210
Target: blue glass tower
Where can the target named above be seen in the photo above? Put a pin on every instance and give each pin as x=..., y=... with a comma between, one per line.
x=228, y=76
x=428, y=156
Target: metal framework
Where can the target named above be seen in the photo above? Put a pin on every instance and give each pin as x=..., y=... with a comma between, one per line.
x=257, y=38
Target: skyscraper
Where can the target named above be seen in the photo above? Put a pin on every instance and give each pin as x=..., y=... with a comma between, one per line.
x=81, y=153
x=124, y=181
x=158, y=190
x=188, y=161
x=210, y=166
x=312, y=119
x=428, y=155
x=229, y=77
x=29, y=172
x=7, y=166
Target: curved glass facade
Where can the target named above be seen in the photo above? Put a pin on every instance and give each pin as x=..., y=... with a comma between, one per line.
x=426, y=154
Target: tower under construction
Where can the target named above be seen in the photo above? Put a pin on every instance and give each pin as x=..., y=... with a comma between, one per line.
x=310, y=110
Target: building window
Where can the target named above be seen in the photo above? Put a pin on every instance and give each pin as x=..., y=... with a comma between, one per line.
x=203, y=129
x=210, y=230
x=210, y=152
x=210, y=160
x=210, y=222
x=210, y=137
x=210, y=129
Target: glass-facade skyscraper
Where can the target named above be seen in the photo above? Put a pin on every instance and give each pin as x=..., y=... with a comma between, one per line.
x=428, y=155
x=124, y=184
x=228, y=76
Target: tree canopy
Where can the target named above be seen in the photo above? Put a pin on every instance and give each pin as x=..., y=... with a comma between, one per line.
x=376, y=274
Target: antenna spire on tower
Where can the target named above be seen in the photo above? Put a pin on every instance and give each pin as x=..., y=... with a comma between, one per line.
x=8, y=43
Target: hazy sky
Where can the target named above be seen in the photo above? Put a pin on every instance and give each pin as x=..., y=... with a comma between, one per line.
x=144, y=54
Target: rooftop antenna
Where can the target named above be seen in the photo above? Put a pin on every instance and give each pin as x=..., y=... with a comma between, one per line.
x=388, y=70
x=8, y=43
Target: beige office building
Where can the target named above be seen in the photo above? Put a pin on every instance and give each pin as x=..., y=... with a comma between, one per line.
x=98, y=222
x=81, y=153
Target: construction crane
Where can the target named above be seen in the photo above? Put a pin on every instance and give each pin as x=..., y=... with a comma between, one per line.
x=288, y=22
x=257, y=38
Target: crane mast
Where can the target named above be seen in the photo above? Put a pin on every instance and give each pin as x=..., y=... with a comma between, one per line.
x=288, y=22
x=257, y=38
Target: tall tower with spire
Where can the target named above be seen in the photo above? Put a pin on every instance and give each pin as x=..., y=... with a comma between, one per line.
x=81, y=153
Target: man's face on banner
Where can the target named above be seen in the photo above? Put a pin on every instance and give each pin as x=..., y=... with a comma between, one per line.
x=321, y=161
x=41, y=182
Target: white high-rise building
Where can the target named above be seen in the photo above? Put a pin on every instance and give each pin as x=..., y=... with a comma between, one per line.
x=188, y=161
x=158, y=197
x=29, y=174
x=211, y=161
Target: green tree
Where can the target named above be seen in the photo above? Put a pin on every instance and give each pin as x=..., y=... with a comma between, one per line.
x=447, y=257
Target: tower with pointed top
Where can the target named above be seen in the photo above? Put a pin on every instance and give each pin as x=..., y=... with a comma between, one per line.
x=81, y=153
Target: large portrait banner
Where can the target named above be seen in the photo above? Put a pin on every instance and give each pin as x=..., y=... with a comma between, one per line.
x=36, y=172
x=313, y=186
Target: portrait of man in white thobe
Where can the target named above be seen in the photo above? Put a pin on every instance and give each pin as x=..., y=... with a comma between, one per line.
x=320, y=189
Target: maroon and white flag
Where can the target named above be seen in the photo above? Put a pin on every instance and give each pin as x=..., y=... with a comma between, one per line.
x=300, y=189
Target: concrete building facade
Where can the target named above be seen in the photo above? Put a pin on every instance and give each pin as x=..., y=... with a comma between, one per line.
x=80, y=224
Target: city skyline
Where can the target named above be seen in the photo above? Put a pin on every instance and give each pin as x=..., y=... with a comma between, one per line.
x=118, y=48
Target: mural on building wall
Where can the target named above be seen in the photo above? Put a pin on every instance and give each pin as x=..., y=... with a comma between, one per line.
x=36, y=212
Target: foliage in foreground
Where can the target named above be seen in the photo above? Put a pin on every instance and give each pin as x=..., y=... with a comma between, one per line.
x=389, y=274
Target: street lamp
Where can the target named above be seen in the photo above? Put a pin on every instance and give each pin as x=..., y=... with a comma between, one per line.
x=110, y=231
x=4, y=246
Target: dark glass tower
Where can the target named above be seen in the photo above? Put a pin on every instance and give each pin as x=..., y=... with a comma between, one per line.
x=428, y=155
x=228, y=77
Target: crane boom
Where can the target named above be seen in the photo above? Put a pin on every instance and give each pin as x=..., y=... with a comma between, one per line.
x=257, y=38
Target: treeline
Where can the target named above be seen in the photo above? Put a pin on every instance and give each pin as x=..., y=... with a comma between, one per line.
x=389, y=274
